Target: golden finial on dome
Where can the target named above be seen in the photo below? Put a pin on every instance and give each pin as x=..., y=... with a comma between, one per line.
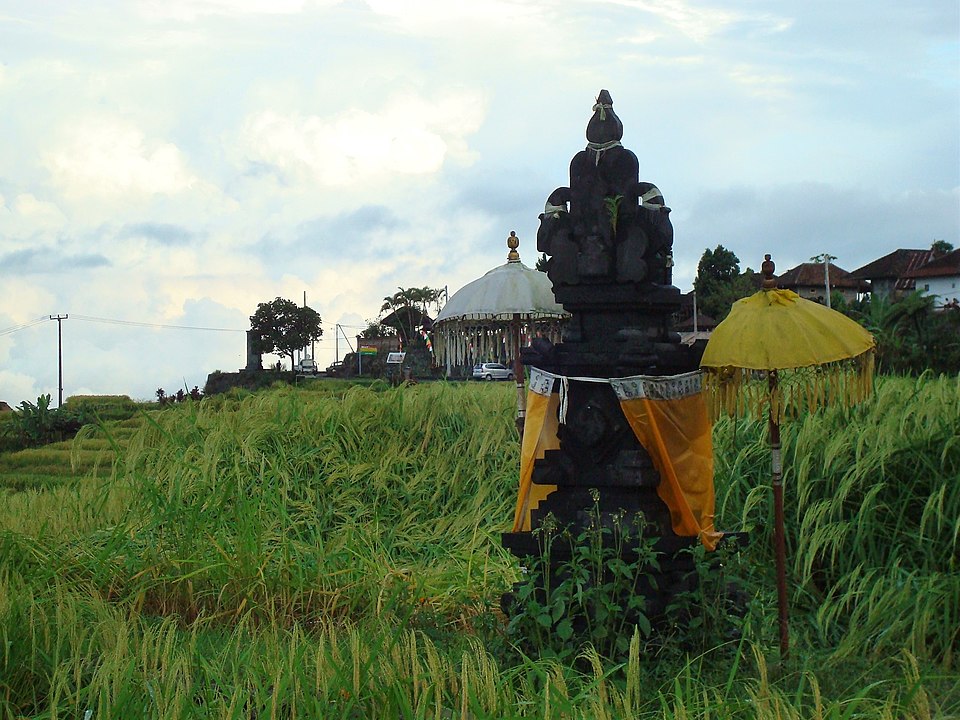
x=513, y=242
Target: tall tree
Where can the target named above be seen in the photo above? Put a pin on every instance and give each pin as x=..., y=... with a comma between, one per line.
x=719, y=265
x=941, y=247
x=375, y=329
x=719, y=282
x=283, y=327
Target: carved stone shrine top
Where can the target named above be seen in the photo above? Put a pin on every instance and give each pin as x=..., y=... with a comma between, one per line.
x=609, y=240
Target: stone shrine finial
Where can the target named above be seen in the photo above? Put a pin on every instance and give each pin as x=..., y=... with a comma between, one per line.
x=513, y=242
x=604, y=127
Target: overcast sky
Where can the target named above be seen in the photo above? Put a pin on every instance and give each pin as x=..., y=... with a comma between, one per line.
x=173, y=163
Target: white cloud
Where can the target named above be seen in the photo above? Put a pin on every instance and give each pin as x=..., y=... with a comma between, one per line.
x=443, y=15
x=108, y=156
x=756, y=81
x=17, y=386
x=37, y=214
x=191, y=10
x=23, y=300
x=409, y=135
x=174, y=150
x=700, y=22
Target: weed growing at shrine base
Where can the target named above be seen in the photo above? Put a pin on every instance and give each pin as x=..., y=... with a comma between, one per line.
x=599, y=589
x=303, y=554
x=585, y=589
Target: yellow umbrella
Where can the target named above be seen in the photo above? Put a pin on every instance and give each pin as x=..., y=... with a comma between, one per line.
x=806, y=354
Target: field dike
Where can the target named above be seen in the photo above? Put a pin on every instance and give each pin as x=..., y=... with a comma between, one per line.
x=335, y=553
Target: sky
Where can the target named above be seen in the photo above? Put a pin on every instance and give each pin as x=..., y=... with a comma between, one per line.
x=166, y=165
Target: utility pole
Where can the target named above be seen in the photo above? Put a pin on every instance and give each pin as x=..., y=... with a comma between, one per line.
x=694, y=312
x=313, y=343
x=825, y=258
x=60, y=319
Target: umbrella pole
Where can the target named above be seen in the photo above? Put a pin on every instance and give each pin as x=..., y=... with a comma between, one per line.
x=778, y=520
x=518, y=376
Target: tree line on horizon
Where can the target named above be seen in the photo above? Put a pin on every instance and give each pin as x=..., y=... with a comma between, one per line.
x=912, y=335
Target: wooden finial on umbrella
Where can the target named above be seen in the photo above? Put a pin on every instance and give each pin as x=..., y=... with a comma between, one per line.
x=767, y=267
x=513, y=242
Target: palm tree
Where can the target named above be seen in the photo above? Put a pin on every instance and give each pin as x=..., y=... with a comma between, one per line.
x=407, y=308
x=904, y=331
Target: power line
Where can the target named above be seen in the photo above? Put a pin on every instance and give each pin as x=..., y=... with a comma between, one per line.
x=24, y=326
x=135, y=323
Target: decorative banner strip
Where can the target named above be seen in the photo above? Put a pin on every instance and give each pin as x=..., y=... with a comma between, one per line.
x=653, y=387
x=541, y=382
x=426, y=340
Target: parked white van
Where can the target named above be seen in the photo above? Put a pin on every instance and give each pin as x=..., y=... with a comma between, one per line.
x=306, y=366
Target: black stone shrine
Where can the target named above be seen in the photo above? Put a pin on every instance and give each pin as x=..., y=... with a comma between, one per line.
x=609, y=240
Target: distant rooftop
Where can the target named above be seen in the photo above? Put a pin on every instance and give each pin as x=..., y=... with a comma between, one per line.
x=943, y=266
x=897, y=266
x=811, y=275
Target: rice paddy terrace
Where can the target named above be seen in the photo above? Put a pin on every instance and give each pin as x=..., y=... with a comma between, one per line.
x=333, y=551
x=66, y=462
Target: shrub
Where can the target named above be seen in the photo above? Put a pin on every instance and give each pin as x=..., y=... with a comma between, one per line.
x=103, y=407
x=37, y=424
x=221, y=382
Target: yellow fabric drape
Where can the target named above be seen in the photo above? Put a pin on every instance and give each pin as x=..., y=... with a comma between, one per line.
x=677, y=434
x=668, y=416
x=539, y=435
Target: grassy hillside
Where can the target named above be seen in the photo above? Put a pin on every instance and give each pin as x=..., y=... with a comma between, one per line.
x=333, y=551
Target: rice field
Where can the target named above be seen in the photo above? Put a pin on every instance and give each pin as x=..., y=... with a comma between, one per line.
x=64, y=462
x=57, y=463
x=333, y=551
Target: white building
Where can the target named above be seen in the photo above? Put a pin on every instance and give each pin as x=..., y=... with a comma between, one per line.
x=940, y=278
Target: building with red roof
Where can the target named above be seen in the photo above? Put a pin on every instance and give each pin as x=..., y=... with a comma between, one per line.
x=889, y=276
x=809, y=281
x=941, y=278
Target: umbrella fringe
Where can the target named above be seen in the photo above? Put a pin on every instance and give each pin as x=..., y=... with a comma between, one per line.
x=741, y=392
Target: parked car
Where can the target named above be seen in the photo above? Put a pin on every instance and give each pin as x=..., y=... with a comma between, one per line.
x=306, y=366
x=492, y=371
x=334, y=369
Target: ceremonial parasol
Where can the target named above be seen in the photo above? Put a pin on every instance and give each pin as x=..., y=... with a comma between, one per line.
x=777, y=351
x=487, y=318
